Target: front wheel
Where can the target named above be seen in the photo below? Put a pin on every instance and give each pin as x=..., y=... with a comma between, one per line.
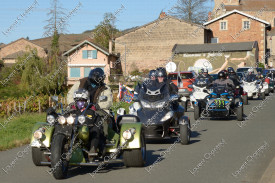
x=185, y=134
x=59, y=165
x=136, y=157
x=37, y=156
x=197, y=112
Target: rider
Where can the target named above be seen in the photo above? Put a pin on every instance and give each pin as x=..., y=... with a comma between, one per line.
x=251, y=76
x=162, y=79
x=233, y=76
x=100, y=95
x=222, y=80
x=81, y=98
x=150, y=81
x=205, y=75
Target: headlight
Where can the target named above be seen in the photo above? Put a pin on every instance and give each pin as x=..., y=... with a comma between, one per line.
x=50, y=119
x=128, y=134
x=145, y=104
x=37, y=134
x=167, y=116
x=81, y=119
x=61, y=120
x=70, y=120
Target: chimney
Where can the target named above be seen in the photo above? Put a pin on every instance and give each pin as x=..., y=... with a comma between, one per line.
x=110, y=46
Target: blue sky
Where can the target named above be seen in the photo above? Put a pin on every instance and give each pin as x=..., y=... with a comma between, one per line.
x=16, y=24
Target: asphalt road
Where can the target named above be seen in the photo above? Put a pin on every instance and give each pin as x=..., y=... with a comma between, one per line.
x=221, y=151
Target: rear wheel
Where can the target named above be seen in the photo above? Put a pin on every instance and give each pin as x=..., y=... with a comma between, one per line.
x=262, y=96
x=184, y=104
x=197, y=112
x=185, y=134
x=240, y=113
x=37, y=156
x=245, y=99
x=59, y=164
x=136, y=157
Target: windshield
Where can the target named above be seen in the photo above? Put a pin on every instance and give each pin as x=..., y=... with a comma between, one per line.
x=242, y=69
x=201, y=82
x=220, y=88
x=186, y=75
x=173, y=76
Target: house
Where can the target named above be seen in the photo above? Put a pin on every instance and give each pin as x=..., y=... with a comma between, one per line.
x=262, y=9
x=86, y=56
x=215, y=57
x=149, y=46
x=271, y=48
x=10, y=52
x=236, y=26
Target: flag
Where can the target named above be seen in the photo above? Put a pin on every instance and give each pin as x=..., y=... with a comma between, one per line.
x=125, y=93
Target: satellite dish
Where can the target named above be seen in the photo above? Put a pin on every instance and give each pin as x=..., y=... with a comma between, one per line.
x=171, y=67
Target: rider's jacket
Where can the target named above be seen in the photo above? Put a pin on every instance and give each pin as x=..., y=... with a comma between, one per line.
x=210, y=78
x=224, y=82
x=234, y=77
x=89, y=114
x=173, y=89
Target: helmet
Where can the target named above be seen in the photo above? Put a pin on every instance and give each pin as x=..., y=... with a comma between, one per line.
x=152, y=73
x=96, y=76
x=81, y=97
x=221, y=75
x=204, y=70
x=230, y=70
x=161, y=72
x=250, y=70
x=226, y=73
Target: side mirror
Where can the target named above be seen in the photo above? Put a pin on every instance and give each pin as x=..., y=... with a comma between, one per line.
x=55, y=99
x=190, y=86
x=121, y=111
x=103, y=98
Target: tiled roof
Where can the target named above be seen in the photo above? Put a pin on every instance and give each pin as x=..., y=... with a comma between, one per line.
x=15, y=55
x=253, y=5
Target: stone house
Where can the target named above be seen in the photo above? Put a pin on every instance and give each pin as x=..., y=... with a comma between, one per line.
x=236, y=26
x=149, y=46
x=10, y=52
x=271, y=48
x=215, y=57
x=86, y=56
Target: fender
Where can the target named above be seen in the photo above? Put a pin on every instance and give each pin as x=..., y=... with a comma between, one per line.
x=184, y=120
x=135, y=141
x=46, y=142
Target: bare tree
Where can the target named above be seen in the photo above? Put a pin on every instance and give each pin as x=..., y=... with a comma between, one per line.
x=56, y=22
x=191, y=10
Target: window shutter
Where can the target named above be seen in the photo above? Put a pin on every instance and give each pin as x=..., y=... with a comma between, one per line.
x=85, y=54
x=95, y=54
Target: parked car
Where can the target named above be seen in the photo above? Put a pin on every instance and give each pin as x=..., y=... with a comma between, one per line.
x=182, y=80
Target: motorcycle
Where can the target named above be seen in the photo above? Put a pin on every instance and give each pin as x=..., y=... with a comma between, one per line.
x=63, y=141
x=199, y=88
x=161, y=115
x=254, y=89
x=219, y=104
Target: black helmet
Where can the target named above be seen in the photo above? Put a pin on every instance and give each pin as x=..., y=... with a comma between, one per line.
x=230, y=70
x=96, y=76
x=221, y=75
x=152, y=73
x=161, y=72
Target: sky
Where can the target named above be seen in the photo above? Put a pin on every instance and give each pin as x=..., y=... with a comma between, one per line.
x=27, y=18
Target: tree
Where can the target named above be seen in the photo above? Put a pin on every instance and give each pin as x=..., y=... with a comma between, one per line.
x=55, y=22
x=106, y=30
x=191, y=10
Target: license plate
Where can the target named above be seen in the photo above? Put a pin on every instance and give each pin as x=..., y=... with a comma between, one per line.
x=182, y=90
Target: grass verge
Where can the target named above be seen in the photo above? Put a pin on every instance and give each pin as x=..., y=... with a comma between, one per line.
x=17, y=131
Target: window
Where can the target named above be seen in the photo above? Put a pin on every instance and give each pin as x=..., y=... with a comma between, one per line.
x=246, y=24
x=223, y=25
x=214, y=40
x=75, y=72
x=87, y=71
x=89, y=54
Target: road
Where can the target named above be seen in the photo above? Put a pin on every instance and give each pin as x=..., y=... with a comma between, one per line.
x=221, y=151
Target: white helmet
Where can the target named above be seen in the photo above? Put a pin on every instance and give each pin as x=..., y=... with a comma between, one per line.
x=81, y=94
